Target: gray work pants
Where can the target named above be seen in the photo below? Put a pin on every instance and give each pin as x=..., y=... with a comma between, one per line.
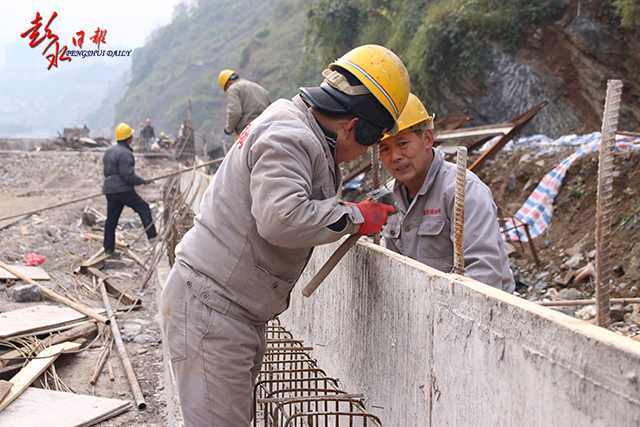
x=215, y=359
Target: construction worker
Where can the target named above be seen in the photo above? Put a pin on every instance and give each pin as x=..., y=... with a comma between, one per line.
x=246, y=100
x=272, y=200
x=148, y=135
x=119, y=180
x=424, y=187
x=164, y=142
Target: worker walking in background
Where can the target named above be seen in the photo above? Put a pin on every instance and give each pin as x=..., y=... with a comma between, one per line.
x=424, y=187
x=119, y=180
x=246, y=100
x=272, y=200
x=148, y=135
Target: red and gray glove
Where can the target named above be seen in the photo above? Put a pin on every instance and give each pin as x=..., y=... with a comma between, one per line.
x=375, y=216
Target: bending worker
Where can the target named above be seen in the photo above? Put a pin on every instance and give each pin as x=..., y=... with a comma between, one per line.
x=424, y=187
x=120, y=178
x=272, y=200
x=246, y=100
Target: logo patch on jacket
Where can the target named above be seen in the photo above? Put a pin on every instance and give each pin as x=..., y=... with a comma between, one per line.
x=431, y=212
x=243, y=136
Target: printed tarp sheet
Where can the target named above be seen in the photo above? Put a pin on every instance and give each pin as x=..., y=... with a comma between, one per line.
x=537, y=211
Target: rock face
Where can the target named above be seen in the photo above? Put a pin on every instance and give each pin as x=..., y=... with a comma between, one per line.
x=566, y=63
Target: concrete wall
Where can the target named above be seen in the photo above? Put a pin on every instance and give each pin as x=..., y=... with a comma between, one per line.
x=430, y=349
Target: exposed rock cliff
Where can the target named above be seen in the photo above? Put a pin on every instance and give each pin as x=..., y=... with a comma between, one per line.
x=567, y=63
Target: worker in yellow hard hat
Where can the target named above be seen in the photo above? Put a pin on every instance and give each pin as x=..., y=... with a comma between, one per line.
x=272, y=200
x=424, y=187
x=119, y=181
x=164, y=142
x=246, y=100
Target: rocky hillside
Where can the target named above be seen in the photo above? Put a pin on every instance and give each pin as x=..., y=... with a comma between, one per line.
x=490, y=59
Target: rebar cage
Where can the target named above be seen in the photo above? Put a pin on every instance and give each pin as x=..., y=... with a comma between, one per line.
x=293, y=391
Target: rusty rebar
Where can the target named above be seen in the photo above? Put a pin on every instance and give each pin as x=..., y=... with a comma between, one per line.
x=605, y=199
x=375, y=177
x=458, y=218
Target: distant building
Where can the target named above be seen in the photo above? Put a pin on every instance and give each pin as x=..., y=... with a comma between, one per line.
x=23, y=63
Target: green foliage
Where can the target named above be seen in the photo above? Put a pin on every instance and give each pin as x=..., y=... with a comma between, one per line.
x=629, y=12
x=182, y=61
x=439, y=40
x=630, y=219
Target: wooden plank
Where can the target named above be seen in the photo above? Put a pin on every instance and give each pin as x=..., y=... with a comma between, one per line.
x=57, y=297
x=85, y=330
x=38, y=319
x=469, y=132
x=115, y=289
x=97, y=262
x=33, y=273
x=37, y=407
x=34, y=369
x=5, y=387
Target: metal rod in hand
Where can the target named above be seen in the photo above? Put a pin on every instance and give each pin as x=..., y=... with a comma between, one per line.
x=605, y=199
x=122, y=351
x=330, y=264
x=458, y=217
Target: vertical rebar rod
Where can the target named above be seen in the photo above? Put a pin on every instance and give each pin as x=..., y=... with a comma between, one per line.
x=375, y=177
x=458, y=218
x=605, y=198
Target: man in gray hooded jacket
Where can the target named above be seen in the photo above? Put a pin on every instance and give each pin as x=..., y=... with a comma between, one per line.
x=271, y=201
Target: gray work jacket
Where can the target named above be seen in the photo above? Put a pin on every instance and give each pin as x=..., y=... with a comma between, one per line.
x=118, y=167
x=245, y=101
x=423, y=230
x=267, y=206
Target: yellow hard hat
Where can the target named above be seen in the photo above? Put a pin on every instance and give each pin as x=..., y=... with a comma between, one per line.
x=123, y=132
x=413, y=116
x=161, y=133
x=381, y=71
x=223, y=78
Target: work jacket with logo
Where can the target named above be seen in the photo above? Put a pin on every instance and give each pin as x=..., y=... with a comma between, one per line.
x=118, y=167
x=423, y=229
x=268, y=205
x=246, y=100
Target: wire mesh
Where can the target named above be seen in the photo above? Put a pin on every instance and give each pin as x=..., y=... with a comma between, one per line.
x=292, y=390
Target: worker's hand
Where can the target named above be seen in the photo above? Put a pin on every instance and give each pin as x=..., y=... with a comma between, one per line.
x=225, y=131
x=375, y=215
x=147, y=181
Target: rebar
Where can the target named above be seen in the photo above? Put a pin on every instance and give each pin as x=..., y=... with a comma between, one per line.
x=375, y=177
x=293, y=391
x=458, y=218
x=605, y=198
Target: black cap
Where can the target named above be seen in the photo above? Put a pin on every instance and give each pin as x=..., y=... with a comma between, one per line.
x=332, y=100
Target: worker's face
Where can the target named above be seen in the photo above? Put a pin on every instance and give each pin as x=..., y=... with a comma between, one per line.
x=407, y=157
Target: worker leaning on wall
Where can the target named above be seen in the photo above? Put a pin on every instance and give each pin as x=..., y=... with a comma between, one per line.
x=424, y=187
x=272, y=200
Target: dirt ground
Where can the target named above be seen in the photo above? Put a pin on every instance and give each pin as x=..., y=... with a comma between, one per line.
x=31, y=180
x=512, y=176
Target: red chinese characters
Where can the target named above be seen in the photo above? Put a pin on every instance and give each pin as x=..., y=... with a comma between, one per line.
x=80, y=39
x=99, y=36
x=34, y=35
